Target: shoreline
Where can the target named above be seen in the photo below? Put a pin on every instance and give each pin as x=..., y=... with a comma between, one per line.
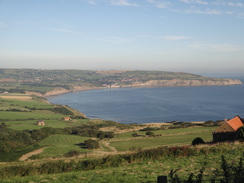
x=61, y=91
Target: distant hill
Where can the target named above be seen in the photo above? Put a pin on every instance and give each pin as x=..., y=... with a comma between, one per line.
x=53, y=82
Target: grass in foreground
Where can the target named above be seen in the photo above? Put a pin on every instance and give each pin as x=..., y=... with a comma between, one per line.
x=147, y=170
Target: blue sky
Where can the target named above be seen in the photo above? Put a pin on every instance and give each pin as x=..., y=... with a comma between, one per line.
x=197, y=36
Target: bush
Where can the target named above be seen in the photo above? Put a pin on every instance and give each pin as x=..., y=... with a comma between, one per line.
x=91, y=144
x=198, y=141
x=102, y=135
x=240, y=134
x=150, y=133
x=72, y=153
x=135, y=134
x=149, y=129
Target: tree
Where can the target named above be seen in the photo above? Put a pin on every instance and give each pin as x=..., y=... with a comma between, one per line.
x=198, y=141
x=240, y=134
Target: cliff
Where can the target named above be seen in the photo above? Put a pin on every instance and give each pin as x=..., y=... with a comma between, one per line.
x=55, y=82
x=181, y=82
x=151, y=83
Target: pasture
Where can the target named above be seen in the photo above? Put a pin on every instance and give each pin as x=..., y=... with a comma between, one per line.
x=21, y=111
x=9, y=115
x=172, y=137
x=58, y=145
x=31, y=124
x=146, y=170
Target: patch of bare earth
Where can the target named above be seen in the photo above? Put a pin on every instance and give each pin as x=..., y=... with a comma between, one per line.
x=24, y=98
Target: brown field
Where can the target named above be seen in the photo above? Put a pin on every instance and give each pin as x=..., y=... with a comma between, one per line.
x=16, y=97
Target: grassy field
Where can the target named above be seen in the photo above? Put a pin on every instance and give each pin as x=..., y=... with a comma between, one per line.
x=29, y=115
x=182, y=136
x=57, y=145
x=31, y=124
x=21, y=111
x=146, y=171
x=22, y=101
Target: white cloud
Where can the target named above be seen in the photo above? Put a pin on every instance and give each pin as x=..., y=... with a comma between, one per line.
x=159, y=4
x=64, y=30
x=122, y=3
x=175, y=38
x=231, y=4
x=208, y=12
x=235, y=4
x=195, y=2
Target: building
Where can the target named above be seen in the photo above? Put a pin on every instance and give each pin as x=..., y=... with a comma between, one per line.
x=40, y=123
x=67, y=119
x=227, y=130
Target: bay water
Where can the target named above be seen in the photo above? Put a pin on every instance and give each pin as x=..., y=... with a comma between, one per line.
x=147, y=105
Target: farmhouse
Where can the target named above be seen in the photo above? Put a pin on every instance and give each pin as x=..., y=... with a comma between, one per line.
x=227, y=130
x=40, y=123
x=67, y=119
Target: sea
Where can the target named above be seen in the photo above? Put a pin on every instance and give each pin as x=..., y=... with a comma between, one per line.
x=162, y=104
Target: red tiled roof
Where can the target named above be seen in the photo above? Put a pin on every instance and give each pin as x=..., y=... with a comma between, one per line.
x=235, y=123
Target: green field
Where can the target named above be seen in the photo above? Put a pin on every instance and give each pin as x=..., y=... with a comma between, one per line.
x=146, y=171
x=182, y=136
x=8, y=115
x=20, y=112
x=13, y=103
x=31, y=124
x=122, y=159
x=58, y=145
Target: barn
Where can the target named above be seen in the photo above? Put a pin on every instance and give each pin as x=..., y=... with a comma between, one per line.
x=227, y=130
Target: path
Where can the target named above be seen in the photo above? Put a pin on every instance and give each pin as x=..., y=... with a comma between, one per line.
x=113, y=149
x=27, y=155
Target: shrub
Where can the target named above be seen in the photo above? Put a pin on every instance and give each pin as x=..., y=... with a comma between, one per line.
x=72, y=153
x=135, y=134
x=240, y=134
x=149, y=129
x=150, y=133
x=198, y=141
x=102, y=135
x=91, y=144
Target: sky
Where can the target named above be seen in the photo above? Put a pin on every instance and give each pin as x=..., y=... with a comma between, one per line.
x=196, y=36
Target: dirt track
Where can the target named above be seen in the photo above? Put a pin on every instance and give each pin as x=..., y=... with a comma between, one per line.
x=26, y=156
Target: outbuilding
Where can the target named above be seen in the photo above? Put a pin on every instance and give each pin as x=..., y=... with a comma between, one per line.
x=227, y=130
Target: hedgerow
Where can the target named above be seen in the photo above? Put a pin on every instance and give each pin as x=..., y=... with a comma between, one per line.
x=60, y=166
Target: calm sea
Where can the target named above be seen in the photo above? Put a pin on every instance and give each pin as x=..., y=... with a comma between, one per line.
x=145, y=105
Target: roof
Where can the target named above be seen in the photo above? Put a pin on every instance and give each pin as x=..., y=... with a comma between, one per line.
x=231, y=125
x=224, y=127
x=235, y=123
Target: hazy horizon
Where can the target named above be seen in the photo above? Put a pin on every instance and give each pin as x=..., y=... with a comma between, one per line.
x=194, y=36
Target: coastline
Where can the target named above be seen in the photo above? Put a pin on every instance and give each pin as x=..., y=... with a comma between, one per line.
x=130, y=117
x=148, y=84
